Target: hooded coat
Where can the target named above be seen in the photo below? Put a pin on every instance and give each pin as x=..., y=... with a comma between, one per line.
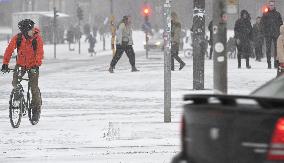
x=280, y=46
x=26, y=57
x=244, y=33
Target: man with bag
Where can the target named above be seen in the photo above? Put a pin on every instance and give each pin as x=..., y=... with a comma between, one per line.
x=124, y=43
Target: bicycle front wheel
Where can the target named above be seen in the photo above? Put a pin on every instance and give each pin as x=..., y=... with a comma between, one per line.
x=15, y=109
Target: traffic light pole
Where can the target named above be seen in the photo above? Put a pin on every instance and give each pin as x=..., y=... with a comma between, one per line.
x=198, y=40
x=80, y=17
x=167, y=61
x=219, y=44
x=54, y=31
x=147, y=43
x=79, y=37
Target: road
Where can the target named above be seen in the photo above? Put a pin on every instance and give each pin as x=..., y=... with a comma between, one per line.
x=89, y=115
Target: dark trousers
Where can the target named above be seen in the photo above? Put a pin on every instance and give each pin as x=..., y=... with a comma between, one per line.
x=258, y=52
x=246, y=56
x=211, y=52
x=119, y=51
x=33, y=81
x=174, y=55
x=269, y=41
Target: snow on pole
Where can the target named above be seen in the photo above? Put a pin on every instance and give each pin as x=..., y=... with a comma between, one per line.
x=199, y=44
x=167, y=61
x=219, y=44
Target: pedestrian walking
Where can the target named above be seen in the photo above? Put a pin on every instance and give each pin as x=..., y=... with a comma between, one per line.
x=124, y=43
x=210, y=28
x=175, y=42
x=258, y=39
x=92, y=41
x=243, y=35
x=271, y=22
x=70, y=37
x=280, y=52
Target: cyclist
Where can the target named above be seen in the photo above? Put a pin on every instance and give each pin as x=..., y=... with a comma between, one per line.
x=29, y=46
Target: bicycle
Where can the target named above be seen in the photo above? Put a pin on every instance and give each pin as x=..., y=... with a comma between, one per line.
x=18, y=106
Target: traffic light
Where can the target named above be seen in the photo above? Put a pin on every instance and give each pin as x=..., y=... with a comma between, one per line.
x=146, y=11
x=80, y=13
x=265, y=9
x=55, y=15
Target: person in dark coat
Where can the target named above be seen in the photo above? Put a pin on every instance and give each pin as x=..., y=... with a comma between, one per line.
x=175, y=42
x=271, y=22
x=92, y=41
x=243, y=35
x=210, y=28
x=70, y=37
x=258, y=39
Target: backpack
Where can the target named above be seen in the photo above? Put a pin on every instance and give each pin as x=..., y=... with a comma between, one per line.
x=19, y=41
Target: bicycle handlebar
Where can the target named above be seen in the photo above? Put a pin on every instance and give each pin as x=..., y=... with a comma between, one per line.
x=13, y=70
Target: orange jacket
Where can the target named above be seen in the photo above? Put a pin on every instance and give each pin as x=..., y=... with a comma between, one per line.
x=27, y=57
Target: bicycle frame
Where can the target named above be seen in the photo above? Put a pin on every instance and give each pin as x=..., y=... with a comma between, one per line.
x=20, y=88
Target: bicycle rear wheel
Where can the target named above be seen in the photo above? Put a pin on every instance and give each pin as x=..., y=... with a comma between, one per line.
x=15, y=108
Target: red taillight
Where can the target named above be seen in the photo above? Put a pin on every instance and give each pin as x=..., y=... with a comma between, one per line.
x=276, y=150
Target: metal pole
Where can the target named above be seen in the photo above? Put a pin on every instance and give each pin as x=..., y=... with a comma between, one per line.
x=219, y=42
x=198, y=34
x=167, y=61
x=54, y=29
x=146, y=32
x=147, y=43
x=79, y=37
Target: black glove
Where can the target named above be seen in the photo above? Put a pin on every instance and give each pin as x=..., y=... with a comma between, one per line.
x=5, y=68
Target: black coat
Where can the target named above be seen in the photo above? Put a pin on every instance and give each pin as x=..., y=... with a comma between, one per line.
x=243, y=32
x=258, y=36
x=271, y=22
x=210, y=28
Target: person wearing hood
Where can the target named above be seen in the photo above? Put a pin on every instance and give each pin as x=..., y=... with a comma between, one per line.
x=271, y=22
x=243, y=34
x=280, y=51
x=30, y=52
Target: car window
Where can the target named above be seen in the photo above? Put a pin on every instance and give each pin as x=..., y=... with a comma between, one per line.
x=274, y=89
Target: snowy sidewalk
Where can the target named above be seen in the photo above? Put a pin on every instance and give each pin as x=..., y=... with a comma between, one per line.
x=90, y=115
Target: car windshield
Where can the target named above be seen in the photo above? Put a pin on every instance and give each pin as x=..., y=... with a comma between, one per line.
x=274, y=88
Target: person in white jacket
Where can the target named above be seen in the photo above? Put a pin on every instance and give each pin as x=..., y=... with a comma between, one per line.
x=124, y=43
x=280, y=51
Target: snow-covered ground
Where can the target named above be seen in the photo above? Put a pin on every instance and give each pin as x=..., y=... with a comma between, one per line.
x=89, y=115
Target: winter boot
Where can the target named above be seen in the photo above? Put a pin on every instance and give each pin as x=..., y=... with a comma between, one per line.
x=182, y=65
x=269, y=65
x=247, y=64
x=36, y=110
x=275, y=64
x=134, y=69
x=110, y=70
